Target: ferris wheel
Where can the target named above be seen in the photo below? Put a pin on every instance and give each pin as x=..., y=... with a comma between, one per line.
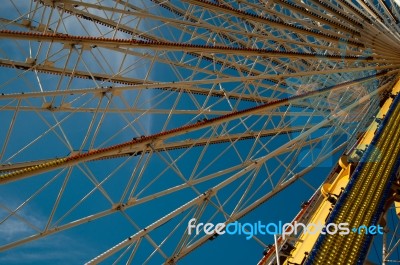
x=124, y=120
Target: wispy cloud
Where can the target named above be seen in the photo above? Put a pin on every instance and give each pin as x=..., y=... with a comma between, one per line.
x=11, y=229
x=59, y=249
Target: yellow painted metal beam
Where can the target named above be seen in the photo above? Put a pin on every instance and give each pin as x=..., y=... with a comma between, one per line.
x=363, y=199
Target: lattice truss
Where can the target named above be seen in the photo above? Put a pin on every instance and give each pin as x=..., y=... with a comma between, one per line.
x=126, y=119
